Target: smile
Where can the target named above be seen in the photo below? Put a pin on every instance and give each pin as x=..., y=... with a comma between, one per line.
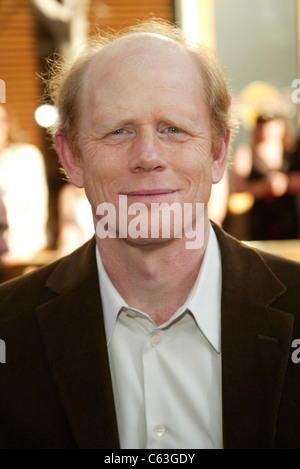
x=150, y=195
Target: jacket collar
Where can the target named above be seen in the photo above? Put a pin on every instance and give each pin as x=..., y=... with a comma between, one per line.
x=71, y=324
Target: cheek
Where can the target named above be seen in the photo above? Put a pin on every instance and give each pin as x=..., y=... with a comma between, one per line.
x=196, y=168
x=199, y=179
x=101, y=173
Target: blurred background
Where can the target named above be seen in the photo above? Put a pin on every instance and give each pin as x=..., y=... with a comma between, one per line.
x=258, y=43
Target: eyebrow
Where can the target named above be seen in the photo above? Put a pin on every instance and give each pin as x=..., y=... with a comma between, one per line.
x=106, y=123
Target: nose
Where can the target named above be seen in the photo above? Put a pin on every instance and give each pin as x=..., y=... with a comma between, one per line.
x=146, y=152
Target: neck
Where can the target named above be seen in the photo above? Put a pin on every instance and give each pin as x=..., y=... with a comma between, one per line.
x=155, y=279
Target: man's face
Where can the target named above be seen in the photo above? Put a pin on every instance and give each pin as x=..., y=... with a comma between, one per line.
x=145, y=128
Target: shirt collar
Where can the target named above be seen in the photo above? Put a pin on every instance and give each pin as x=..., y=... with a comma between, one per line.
x=204, y=300
x=112, y=302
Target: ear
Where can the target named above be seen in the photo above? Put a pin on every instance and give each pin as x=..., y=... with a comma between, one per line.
x=219, y=160
x=71, y=162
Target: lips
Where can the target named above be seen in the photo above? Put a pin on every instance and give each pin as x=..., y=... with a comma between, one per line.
x=150, y=195
x=150, y=192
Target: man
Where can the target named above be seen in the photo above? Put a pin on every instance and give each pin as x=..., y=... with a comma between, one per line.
x=139, y=340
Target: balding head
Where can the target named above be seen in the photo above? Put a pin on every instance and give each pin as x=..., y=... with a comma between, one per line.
x=68, y=86
x=117, y=73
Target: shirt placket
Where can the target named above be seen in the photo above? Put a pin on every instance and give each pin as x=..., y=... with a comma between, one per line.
x=157, y=430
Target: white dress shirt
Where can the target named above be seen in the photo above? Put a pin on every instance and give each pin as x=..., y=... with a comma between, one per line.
x=167, y=379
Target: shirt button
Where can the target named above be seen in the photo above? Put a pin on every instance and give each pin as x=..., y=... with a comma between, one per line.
x=155, y=340
x=159, y=430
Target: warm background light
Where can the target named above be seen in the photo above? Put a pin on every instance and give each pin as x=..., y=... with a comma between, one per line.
x=45, y=115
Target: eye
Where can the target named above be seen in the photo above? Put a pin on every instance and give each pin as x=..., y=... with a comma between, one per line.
x=173, y=130
x=171, y=133
x=119, y=136
x=174, y=133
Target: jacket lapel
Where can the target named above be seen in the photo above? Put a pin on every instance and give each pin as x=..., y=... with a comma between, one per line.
x=71, y=324
x=255, y=346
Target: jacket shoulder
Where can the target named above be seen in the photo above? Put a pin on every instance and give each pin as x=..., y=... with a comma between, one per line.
x=28, y=284
x=285, y=268
x=252, y=266
x=34, y=288
x=281, y=266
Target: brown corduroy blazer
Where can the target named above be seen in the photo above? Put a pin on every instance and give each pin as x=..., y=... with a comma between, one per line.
x=55, y=387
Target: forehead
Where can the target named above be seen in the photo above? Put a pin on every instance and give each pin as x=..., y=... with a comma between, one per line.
x=136, y=58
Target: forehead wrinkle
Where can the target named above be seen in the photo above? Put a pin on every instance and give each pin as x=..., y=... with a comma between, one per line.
x=108, y=118
x=110, y=81
x=122, y=98
x=169, y=115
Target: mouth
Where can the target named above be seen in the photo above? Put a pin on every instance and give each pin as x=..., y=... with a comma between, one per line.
x=151, y=195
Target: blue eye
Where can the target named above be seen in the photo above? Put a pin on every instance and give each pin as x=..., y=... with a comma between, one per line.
x=173, y=130
x=118, y=132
